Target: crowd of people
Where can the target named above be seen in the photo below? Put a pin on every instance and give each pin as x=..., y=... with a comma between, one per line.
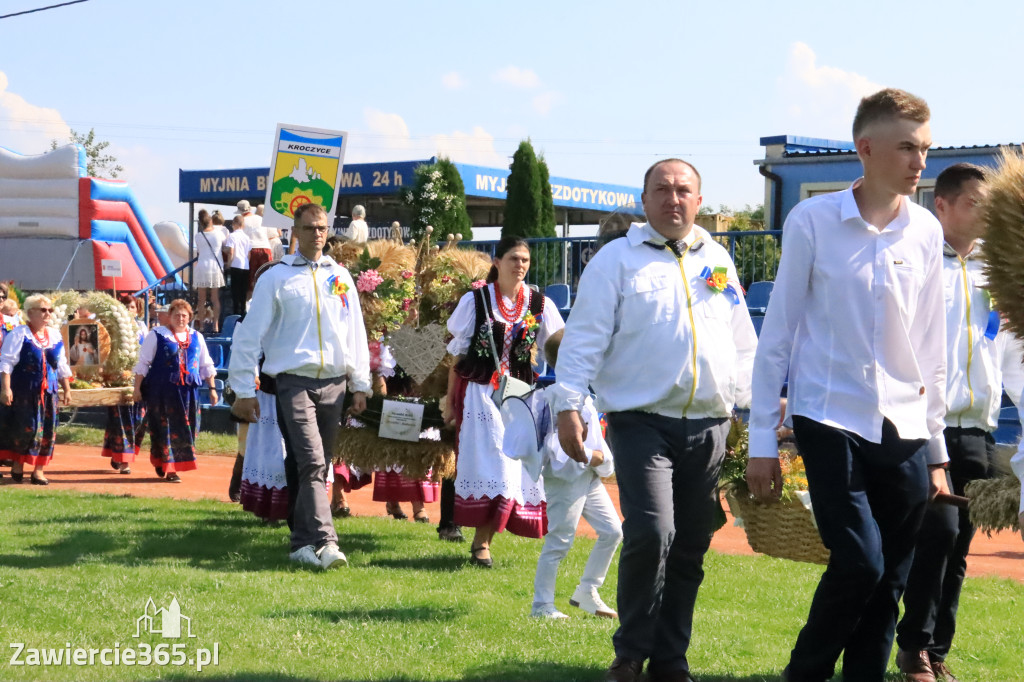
x=892, y=398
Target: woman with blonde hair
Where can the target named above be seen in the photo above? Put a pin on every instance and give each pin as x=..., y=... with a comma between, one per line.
x=174, y=361
x=32, y=368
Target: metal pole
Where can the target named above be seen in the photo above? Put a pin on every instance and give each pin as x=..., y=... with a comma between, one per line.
x=191, y=237
x=566, y=250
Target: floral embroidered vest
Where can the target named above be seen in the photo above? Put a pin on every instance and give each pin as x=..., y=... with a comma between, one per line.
x=27, y=376
x=166, y=365
x=478, y=364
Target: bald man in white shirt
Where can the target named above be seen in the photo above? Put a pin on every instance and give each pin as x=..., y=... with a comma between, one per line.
x=306, y=321
x=857, y=323
x=661, y=331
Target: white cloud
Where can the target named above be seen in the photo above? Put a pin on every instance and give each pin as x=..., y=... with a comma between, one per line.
x=543, y=102
x=31, y=127
x=389, y=139
x=516, y=77
x=820, y=100
x=476, y=147
x=453, y=81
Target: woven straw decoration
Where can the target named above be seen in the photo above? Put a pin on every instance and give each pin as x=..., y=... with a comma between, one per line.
x=994, y=503
x=1004, y=238
x=780, y=529
x=418, y=351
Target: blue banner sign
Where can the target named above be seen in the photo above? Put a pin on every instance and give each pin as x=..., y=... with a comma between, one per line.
x=231, y=186
x=566, y=193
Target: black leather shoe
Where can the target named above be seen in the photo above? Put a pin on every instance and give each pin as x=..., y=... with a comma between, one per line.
x=624, y=670
x=17, y=478
x=477, y=561
x=450, y=534
x=38, y=480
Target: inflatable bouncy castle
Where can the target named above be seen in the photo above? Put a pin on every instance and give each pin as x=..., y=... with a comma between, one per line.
x=60, y=229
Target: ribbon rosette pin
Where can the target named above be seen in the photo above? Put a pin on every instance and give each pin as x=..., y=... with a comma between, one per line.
x=339, y=289
x=718, y=281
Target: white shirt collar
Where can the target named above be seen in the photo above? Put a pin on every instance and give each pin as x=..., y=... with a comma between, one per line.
x=298, y=259
x=849, y=209
x=638, y=234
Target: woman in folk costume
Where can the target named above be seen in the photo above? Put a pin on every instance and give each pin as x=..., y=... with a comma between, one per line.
x=390, y=485
x=126, y=424
x=174, y=361
x=508, y=320
x=32, y=368
x=264, y=490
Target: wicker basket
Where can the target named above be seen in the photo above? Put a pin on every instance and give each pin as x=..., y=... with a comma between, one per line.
x=781, y=529
x=362, y=448
x=100, y=397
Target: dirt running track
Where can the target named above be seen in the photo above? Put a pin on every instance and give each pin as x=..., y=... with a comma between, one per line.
x=84, y=469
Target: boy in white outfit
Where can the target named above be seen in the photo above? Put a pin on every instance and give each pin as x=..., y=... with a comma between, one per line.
x=572, y=490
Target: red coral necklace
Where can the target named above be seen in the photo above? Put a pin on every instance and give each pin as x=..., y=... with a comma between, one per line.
x=510, y=313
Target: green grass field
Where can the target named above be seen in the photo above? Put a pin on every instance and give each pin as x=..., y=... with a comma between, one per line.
x=76, y=571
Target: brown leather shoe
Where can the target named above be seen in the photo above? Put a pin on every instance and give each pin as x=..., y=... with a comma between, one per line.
x=624, y=670
x=915, y=665
x=942, y=672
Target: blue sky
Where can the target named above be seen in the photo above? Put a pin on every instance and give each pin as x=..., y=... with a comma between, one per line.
x=602, y=88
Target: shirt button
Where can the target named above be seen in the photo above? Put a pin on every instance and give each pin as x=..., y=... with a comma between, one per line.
x=921, y=392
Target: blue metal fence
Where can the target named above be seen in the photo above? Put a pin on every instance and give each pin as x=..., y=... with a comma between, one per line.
x=559, y=260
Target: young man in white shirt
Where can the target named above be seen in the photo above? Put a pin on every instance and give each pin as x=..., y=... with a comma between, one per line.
x=979, y=360
x=660, y=330
x=236, y=255
x=306, y=321
x=857, y=323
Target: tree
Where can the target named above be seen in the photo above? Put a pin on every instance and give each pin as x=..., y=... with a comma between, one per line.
x=97, y=164
x=547, y=207
x=438, y=199
x=524, y=213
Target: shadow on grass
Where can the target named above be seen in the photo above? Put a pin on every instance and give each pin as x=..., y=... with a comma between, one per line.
x=513, y=671
x=443, y=564
x=213, y=541
x=408, y=614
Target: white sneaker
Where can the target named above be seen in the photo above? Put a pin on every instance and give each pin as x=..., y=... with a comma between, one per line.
x=547, y=611
x=305, y=555
x=590, y=601
x=330, y=555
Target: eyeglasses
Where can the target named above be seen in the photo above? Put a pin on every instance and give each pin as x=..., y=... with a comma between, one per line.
x=42, y=310
x=319, y=228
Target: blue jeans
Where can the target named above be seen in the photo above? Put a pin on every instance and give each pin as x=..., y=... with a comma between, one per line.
x=868, y=499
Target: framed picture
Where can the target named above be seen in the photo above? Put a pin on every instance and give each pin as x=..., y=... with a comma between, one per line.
x=83, y=344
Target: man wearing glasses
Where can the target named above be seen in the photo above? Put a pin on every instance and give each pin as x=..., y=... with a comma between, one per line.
x=305, y=319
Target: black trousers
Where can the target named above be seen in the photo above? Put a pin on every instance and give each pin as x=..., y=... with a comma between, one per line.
x=940, y=559
x=447, y=504
x=667, y=469
x=239, y=289
x=868, y=500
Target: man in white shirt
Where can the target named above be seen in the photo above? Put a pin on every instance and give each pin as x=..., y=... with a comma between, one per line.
x=661, y=332
x=357, y=230
x=236, y=254
x=857, y=323
x=306, y=321
x=979, y=360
